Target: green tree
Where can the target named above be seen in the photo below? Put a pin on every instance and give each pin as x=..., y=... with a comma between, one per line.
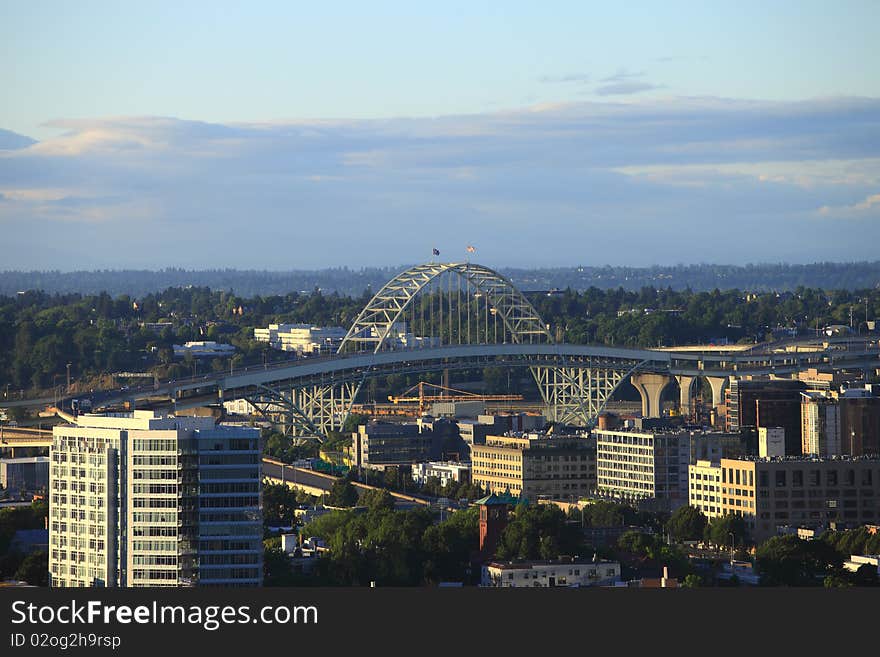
x=279, y=504
x=692, y=581
x=34, y=569
x=791, y=561
x=342, y=493
x=539, y=532
x=727, y=531
x=377, y=500
x=686, y=524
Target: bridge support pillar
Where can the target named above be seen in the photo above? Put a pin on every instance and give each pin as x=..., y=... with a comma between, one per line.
x=718, y=385
x=686, y=393
x=650, y=387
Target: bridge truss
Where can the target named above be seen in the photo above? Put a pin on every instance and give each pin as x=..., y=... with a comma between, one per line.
x=443, y=304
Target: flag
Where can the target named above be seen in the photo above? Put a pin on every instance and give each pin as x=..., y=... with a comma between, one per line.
x=470, y=249
x=435, y=252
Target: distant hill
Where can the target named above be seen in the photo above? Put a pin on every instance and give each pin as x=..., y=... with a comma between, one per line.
x=353, y=282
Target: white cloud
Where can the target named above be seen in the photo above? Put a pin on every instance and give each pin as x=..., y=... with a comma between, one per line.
x=612, y=180
x=869, y=207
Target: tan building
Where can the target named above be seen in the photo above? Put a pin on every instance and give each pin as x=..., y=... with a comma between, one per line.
x=802, y=492
x=705, y=488
x=562, y=572
x=533, y=465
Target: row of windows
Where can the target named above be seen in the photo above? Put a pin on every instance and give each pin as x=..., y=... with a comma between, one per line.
x=814, y=477
x=154, y=445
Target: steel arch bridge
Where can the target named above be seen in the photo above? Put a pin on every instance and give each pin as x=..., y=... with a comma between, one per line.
x=454, y=316
x=572, y=395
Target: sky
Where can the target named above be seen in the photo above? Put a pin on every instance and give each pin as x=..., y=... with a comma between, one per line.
x=286, y=135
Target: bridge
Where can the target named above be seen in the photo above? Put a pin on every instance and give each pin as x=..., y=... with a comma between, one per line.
x=464, y=316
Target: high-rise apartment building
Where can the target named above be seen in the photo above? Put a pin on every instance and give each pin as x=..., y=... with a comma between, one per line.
x=140, y=499
x=820, y=424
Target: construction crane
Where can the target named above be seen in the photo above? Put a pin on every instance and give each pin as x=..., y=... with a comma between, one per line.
x=455, y=395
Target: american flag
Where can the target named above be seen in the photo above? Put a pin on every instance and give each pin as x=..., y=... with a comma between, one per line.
x=470, y=249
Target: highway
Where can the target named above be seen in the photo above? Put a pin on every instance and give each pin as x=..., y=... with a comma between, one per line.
x=317, y=483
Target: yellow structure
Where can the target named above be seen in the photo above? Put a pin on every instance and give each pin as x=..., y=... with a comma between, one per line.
x=534, y=465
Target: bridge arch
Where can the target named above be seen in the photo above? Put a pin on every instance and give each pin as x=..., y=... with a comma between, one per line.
x=374, y=324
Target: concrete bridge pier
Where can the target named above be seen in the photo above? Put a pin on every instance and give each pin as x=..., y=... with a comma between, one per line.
x=686, y=393
x=650, y=387
x=718, y=385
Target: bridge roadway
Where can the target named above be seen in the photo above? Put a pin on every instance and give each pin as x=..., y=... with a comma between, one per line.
x=318, y=483
x=339, y=369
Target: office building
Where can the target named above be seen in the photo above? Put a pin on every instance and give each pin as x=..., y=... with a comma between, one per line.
x=791, y=491
x=24, y=474
x=860, y=422
x=301, y=338
x=753, y=403
x=379, y=445
x=141, y=499
x=820, y=424
x=644, y=465
x=771, y=442
x=535, y=465
x=782, y=414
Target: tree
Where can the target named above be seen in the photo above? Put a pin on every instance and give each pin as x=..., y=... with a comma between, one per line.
x=791, y=561
x=687, y=524
x=866, y=575
x=34, y=569
x=539, y=532
x=638, y=544
x=342, y=493
x=279, y=504
x=692, y=581
x=727, y=531
x=377, y=500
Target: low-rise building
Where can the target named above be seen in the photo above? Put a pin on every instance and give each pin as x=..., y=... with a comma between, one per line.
x=445, y=471
x=301, y=338
x=203, y=349
x=24, y=474
x=856, y=561
x=559, y=572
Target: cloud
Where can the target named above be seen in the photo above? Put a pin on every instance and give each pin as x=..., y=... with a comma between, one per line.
x=623, y=75
x=681, y=58
x=576, y=77
x=869, y=207
x=623, y=88
x=625, y=180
